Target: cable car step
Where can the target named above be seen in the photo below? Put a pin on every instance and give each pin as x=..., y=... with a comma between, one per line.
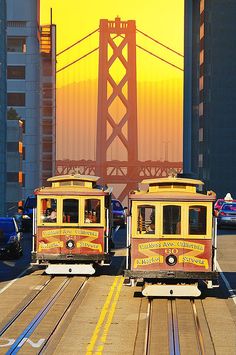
x=171, y=291
x=70, y=269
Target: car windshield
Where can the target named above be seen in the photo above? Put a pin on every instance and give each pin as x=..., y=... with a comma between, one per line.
x=229, y=207
x=116, y=206
x=7, y=226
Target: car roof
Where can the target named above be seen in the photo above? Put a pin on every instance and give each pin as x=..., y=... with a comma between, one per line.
x=6, y=219
x=228, y=204
x=114, y=200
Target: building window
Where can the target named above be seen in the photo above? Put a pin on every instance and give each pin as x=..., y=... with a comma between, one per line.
x=200, y=108
x=47, y=147
x=13, y=177
x=47, y=68
x=47, y=165
x=16, y=23
x=200, y=160
x=202, y=6
x=201, y=81
x=202, y=44
x=16, y=44
x=20, y=177
x=202, y=56
x=16, y=72
x=202, y=31
x=47, y=128
x=47, y=111
x=200, y=135
x=22, y=125
x=47, y=91
x=16, y=99
x=20, y=147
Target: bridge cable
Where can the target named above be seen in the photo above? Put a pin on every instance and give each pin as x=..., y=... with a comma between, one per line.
x=163, y=60
x=154, y=55
x=80, y=40
x=77, y=60
x=84, y=56
x=153, y=39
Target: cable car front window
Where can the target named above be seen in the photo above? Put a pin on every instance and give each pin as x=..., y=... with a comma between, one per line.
x=49, y=210
x=70, y=211
x=171, y=219
x=146, y=220
x=92, y=210
x=197, y=220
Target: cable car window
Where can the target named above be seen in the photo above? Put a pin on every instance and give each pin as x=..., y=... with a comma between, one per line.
x=70, y=211
x=171, y=219
x=92, y=210
x=48, y=210
x=197, y=219
x=146, y=220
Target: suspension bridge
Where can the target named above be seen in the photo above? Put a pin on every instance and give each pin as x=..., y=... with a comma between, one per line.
x=129, y=171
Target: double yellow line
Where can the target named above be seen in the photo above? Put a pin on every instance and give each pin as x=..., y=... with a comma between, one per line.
x=106, y=317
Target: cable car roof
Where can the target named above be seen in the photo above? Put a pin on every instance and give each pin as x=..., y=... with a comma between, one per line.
x=172, y=180
x=71, y=177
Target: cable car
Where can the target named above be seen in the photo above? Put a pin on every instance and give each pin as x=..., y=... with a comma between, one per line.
x=171, y=237
x=72, y=225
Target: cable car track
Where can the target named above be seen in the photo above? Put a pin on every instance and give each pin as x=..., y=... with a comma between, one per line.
x=21, y=310
x=64, y=294
x=174, y=345
x=169, y=321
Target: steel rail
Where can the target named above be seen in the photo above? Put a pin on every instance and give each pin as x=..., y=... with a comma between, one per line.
x=148, y=328
x=12, y=320
x=199, y=336
x=174, y=346
x=63, y=316
x=19, y=342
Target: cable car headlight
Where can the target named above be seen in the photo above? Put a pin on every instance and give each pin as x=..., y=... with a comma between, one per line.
x=70, y=244
x=171, y=260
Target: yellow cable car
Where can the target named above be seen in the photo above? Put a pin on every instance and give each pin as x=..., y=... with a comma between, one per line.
x=171, y=237
x=72, y=225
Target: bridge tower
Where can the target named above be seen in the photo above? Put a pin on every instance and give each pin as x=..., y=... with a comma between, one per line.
x=117, y=46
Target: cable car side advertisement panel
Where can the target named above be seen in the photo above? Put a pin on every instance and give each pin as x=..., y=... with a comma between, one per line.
x=185, y=255
x=70, y=240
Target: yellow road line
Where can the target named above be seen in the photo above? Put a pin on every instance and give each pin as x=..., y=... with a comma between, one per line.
x=103, y=313
x=110, y=317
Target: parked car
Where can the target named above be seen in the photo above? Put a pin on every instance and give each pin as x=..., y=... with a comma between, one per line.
x=118, y=212
x=227, y=215
x=10, y=238
x=218, y=204
x=27, y=216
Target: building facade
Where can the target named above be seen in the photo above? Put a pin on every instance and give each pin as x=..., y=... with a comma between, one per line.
x=25, y=102
x=48, y=103
x=210, y=93
x=3, y=86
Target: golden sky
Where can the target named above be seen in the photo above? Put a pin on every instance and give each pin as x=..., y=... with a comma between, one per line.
x=160, y=86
